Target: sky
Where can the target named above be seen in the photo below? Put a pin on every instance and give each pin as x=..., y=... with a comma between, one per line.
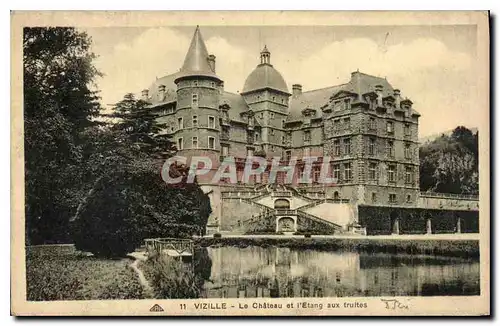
x=434, y=66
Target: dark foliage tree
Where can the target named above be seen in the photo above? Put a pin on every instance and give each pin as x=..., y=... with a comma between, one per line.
x=449, y=164
x=129, y=201
x=59, y=103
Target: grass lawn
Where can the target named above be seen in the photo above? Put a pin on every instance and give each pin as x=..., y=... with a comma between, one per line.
x=62, y=273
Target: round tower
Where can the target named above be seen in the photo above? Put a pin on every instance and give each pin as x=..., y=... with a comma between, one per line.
x=198, y=97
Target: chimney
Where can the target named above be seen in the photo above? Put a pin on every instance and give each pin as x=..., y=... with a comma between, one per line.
x=378, y=91
x=161, y=92
x=296, y=89
x=145, y=95
x=211, y=62
x=397, y=96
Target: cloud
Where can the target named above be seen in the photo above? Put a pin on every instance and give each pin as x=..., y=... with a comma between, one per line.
x=133, y=66
x=440, y=81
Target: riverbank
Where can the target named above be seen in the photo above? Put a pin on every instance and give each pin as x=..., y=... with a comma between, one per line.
x=419, y=244
x=59, y=272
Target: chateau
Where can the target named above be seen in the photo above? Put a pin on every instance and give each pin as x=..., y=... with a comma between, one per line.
x=365, y=126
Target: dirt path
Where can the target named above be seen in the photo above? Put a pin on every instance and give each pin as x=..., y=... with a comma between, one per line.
x=148, y=290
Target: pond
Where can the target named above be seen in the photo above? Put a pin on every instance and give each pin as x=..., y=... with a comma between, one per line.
x=283, y=272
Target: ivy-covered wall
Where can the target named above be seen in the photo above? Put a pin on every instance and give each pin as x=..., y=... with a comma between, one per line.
x=307, y=225
x=380, y=220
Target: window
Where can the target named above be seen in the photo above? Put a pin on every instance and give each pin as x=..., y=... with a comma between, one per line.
x=347, y=123
x=195, y=121
x=336, y=195
x=283, y=140
x=390, y=148
x=272, y=132
x=211, y=142
x=262, y=115
x=274, y=98
x=392, y=198
x=272, y=115
x=194, y=100
x=211, y=122
x=374, y=197
x=307, y=135
x=336, y=124
x=249, y=151
x=180, y=123
x=347, y=103
x=250, y=121
x=180, y=143
x=408, y=198
x=195, y=83
x=408, y=174
x=225, y=150
x=390, y=127
x=407, y=151
x=194, y=142
x=257, y=137
x=347, y=146
x=372, y=171
x=336, y=147
x=391, y=173
x=306, y=152
x=316, y=174
x=212, y=84
x=407, y=129
x=282, y=123
x=347, y=171
x=371, y=146
x=372, y=124
x=336, y=172
x=288, y=155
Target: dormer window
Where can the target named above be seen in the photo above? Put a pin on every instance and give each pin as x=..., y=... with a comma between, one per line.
x=347, y=104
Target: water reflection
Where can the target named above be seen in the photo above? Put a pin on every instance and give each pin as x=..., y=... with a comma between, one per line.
x=282, y=272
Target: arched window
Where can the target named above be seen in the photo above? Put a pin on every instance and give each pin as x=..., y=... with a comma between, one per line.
x=336, y=195
x=281, y=204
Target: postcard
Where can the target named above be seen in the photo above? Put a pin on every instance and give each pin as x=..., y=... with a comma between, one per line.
x=250, y=163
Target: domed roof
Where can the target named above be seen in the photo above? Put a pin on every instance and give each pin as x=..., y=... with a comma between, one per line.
x=265, y=76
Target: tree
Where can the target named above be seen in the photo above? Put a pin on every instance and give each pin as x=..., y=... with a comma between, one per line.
x=449, y=164
x=59, y=104
x=129, y=201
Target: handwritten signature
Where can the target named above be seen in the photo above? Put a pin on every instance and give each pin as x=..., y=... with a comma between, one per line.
x=393, y=304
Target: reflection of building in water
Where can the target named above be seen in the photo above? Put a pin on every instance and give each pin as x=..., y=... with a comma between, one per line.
x=278, y=272
x=283, y=272
x=417, y=275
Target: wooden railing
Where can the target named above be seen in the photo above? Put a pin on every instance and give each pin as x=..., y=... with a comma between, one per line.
x=160, y=244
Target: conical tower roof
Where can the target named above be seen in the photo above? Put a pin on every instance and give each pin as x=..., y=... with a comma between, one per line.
x=196, y=61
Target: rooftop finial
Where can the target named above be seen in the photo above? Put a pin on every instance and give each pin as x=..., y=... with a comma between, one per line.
x=265, y=56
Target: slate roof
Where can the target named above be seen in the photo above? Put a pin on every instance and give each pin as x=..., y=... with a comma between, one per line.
x=196, y=61
x=314, y=99
x=265, y=76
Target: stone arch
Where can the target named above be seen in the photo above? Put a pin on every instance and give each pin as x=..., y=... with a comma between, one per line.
x=286, y=224
x=281, y=203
